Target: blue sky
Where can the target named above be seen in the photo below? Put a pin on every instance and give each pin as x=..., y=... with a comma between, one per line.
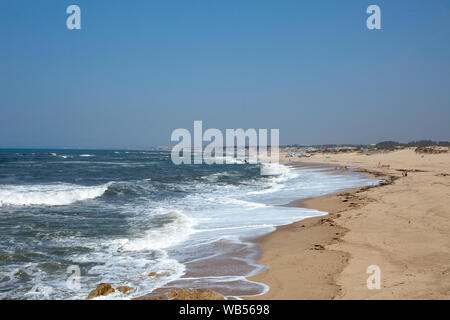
x=139, y=69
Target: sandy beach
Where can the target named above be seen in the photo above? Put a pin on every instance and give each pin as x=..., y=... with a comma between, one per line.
x=402, y=226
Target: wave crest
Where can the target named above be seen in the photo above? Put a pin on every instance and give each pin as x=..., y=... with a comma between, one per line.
x=50, y=195
x=174, y=227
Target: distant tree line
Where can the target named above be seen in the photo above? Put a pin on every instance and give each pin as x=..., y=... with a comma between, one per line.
x=383, y=144
x=420, y=143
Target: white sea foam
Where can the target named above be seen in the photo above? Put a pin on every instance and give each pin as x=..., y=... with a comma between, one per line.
x=171, y=233
x=273, y=169
x=50, y=195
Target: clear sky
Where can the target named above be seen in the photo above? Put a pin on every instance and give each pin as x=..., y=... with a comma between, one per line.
x=139, y=69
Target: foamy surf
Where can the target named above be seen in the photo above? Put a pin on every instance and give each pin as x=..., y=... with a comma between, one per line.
x=273, y=169
x=174, y=228
x=49, y=195
x=155, y=218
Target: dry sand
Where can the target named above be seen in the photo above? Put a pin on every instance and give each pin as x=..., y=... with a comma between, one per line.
x=402, y=227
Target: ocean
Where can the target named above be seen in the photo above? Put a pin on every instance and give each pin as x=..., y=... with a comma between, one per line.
x=121, y=215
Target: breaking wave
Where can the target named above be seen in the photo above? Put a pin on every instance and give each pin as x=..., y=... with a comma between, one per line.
x=49, y=195
x=173, y=228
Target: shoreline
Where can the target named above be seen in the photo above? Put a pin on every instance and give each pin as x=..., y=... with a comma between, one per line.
x=326, y=257
x=306, y=240
x=232, y=258
x=401, y=226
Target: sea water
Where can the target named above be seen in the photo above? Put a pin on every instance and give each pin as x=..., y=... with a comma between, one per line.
x=120, y=215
